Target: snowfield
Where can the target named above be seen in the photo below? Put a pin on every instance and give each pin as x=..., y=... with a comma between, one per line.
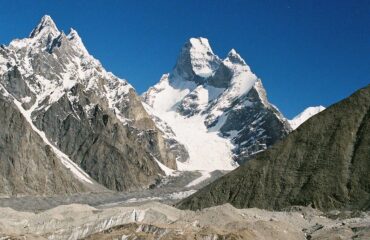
x=207, y=150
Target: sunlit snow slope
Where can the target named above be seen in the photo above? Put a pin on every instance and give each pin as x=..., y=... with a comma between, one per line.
x=207, y=150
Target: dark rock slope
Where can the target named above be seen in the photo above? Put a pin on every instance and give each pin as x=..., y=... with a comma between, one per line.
x=27, y=164
x=324, y=163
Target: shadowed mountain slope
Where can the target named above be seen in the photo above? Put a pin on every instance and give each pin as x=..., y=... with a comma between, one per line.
x=324, y=163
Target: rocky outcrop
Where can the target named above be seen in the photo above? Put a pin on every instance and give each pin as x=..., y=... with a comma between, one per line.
x=254, y=124
x=27, y=164
x=94, y=117
x=325, y=163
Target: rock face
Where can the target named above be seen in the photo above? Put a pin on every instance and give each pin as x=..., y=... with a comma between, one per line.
x=89, y=114
x=325, y=163
x=222, y=105
x=28, y=165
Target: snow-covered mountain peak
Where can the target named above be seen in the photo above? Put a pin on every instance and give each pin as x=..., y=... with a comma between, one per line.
x=45, y=28
x=73, y=33
x=216, y=108
x=196, y=61
x=305, y=115
x=235, y=58
x=75, y=38
x=46, y=36
x=232, y=52
x=199, y=44
x=68, y=64
x=58, y=83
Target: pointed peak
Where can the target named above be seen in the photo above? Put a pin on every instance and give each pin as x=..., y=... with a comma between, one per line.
x=234, y=57
x=46, y=19
x=196, y=60
x=232, y=52
x=46, y=25
x=75, y=38
x=73, y=34
x=199, y=40
x=72, y=31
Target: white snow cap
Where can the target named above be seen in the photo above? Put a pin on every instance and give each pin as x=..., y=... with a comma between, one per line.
x=235, y=58
x=74, y=37
x=46, y=25
x=73, y=34
x=232, y=52
x=201, y=56
x=200, y=44
x=305, y=115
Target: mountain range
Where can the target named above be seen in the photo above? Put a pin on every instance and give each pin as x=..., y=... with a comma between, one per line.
x=89, y=120
x=71, y=126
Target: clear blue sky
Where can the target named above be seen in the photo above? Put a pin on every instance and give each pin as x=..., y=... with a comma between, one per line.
x=306, y=52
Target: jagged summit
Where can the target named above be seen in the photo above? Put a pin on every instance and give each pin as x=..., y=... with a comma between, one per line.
x=199, y=43
x=75, y=38
x=232, y=52
x=196, y=61
x=76, y=105
x=47, y=37
x=73, y=34
x=46, y=25
x=234, y=57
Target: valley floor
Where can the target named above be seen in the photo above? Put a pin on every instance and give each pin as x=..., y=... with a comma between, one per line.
x=148, y=214
x=153, y=220
x=170, y=190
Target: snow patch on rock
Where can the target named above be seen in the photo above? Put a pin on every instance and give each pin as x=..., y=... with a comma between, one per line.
x=65, y=160
x=305, y=115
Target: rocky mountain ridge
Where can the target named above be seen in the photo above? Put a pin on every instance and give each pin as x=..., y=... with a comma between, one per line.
x=207, y=114
x=324, y=163
x=30, y=164
x=90, y=115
